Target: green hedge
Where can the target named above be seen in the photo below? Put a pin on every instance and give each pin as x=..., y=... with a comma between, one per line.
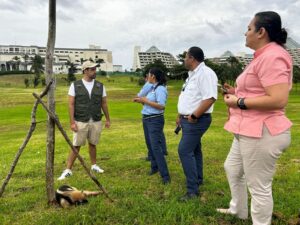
x=14, y=72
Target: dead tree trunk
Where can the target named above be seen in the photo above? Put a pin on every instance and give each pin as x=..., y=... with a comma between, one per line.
x=51, y=103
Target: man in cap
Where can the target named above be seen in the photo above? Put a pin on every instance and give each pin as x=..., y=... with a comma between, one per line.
x=86, y=99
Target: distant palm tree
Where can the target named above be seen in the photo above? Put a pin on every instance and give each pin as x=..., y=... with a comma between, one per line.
x=99, y=61
x=71, y=71
x=26, y=59
x=16, y=63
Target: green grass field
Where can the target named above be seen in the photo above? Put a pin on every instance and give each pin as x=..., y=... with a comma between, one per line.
x=139, y=199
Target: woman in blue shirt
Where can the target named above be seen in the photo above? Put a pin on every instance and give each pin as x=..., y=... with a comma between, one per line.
x=143, y=92
x=153, y=121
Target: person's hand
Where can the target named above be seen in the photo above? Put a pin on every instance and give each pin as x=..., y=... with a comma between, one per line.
x=74, y=127
x=135, y=99
x=178, y=121
x=191, y=120
x=231, y=100
x=107, y=124
x=141, y=100
x=229, y=88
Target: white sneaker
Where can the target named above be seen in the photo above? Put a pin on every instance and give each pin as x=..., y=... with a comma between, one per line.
x=225, y=211
x=65, y=174
x=228, y=212
x=97, y=169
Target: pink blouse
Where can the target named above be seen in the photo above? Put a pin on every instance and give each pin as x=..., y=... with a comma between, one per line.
x=271, y=65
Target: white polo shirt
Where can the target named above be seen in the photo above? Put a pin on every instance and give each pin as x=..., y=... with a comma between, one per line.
x=200, y=85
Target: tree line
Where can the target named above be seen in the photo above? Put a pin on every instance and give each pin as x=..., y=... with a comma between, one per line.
x=226, y=72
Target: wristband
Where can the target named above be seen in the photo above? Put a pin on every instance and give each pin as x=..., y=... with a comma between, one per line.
x=241, y=104
x=194, y=117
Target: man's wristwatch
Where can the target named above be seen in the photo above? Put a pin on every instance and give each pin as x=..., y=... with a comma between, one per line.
x=241, y=103
x=194, y=117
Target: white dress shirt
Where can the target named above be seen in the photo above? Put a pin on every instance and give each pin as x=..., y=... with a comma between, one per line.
x=200, y=85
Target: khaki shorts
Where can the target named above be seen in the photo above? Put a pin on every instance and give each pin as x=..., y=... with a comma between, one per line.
x=87, y=131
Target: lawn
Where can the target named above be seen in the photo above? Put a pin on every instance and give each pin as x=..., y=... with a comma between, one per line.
x=139, y=199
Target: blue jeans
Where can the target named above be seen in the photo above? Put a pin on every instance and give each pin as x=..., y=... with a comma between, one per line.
x=190, y=151
x=153, y=129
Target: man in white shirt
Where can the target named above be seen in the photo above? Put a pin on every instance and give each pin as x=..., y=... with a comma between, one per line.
x=86, y=99
x=195, y=105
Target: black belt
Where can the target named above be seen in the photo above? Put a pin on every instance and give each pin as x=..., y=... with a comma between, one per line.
x=152, y=116
x=203, y=115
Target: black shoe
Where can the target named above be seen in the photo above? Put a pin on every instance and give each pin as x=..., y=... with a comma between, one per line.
x=166, y=181
x=166, y=153
x=188, y=196
x=152, y=172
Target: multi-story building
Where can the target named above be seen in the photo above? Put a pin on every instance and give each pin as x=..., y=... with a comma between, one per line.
x=141, y=59
x=9, y=54
x=294, y=49
x=117, y=68
x=242, y=57
x=291, y=45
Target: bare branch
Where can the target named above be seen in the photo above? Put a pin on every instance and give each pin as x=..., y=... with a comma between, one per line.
x=28, y=136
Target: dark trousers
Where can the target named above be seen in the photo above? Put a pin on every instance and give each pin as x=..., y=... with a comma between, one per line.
x=190, y=151
x=153, y=130
x=163, y=143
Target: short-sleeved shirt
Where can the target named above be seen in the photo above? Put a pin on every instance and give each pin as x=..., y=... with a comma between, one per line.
x=200, y=85
x=271, y=65
x=88, y=85
x=157, y=94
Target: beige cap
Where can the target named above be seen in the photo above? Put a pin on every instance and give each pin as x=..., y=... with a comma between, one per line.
x=88, y=64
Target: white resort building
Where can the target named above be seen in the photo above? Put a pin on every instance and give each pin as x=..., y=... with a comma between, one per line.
x=141, y=59
x=10, y=54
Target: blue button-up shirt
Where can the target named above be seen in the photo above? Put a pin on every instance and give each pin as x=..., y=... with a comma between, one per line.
x=158, y=95
x=145, y=89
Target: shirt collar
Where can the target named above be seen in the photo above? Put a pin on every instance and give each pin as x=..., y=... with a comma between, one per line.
x=263, y=49
x=154, y=85
x=191, y=73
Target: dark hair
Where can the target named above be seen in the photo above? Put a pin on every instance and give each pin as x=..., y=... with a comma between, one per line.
x=197, y=53
x=159, y=75
x=271, y=21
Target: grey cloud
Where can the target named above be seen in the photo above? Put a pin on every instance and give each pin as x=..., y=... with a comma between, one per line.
x=14, y=6
x=67, y=4
x=218, y=28
x=118, y=25
x=64, y=17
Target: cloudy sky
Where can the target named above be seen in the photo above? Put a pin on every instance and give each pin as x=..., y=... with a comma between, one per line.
x=119, y=25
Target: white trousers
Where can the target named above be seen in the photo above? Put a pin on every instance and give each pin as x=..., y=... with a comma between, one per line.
x=251, y=163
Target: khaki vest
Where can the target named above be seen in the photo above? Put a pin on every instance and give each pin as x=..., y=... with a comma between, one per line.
x=86, y=107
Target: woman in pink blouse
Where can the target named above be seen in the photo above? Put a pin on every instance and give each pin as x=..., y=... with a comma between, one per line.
x=257, y=119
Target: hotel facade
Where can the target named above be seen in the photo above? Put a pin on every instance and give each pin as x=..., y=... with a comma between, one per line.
x=10, y=54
